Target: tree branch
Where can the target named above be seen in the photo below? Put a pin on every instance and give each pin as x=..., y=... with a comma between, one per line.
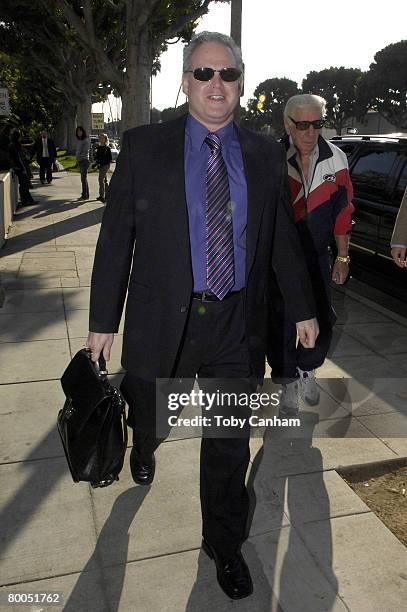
x=183, y=20
x=107, y=69
x=145, y=13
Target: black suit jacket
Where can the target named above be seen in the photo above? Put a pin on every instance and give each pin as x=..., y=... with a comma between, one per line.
x=144, y=247
x=37, y=149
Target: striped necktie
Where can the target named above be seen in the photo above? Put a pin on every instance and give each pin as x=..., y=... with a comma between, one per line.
x=220, y=269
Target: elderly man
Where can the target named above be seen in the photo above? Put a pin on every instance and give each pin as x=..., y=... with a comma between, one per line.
x=186, y=233
x=321, y=196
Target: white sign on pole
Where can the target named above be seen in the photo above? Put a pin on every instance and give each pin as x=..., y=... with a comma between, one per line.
x=98, y=121
x=4, y=102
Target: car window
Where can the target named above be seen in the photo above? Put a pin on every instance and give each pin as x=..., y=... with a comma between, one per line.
x=401, y=186
x=347, y=148
x=372, y=169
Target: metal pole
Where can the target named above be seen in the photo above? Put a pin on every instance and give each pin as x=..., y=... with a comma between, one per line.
x=236, y=34
x=236, y=21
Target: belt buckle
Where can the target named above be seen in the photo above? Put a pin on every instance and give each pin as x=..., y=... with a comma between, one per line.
x=203, y=296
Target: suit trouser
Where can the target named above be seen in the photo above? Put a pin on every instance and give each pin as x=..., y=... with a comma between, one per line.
x=284, y=353
x=215, y=350
x=45, y=169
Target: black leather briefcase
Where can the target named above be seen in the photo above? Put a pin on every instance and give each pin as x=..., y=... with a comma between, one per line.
x=92, y=422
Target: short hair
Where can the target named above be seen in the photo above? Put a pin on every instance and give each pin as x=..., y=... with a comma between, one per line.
x=84, y=135
x=304, y=101
x=215, y=37
x=106, y=137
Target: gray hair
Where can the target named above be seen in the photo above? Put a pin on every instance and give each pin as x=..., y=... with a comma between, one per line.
x=215, y=37
x=304, y=101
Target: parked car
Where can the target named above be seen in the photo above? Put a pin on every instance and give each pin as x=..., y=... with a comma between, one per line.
x=378, y=169
x=94, y=141
x=115, y=150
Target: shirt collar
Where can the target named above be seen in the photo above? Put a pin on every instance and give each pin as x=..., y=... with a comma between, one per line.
x=198, y=132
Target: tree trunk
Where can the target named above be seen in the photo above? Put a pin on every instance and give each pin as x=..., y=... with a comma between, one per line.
x=70, y=130
x=84, y=113
x=61, y=133
x=136, y=94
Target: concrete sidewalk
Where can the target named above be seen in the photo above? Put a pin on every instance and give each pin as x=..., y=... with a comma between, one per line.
x=314, y=545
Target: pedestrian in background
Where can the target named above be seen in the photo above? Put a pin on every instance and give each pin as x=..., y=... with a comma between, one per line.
x=82, y=158
x=103, y=159
x=399, y=237
x=45, y=152
x=321, y=197
x=19, y=165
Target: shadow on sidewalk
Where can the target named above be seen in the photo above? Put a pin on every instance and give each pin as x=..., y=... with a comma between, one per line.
x=36, y=237
x=42, y=479
x=110, y=555
x=287, y=479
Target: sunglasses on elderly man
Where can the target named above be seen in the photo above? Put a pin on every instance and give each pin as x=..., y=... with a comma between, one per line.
x=304, y=125
x=206, y=74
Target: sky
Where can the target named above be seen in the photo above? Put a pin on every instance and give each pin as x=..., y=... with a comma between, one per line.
x=289, y=39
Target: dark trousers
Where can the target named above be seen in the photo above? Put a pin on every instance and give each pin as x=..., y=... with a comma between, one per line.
x=45, y=169
x=284, y=354
x=24, y=186
x=214, y=349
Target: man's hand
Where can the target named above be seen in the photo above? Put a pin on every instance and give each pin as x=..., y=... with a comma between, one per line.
x=100, y=343
x=340, y=271
x=308, y=332
x=399, y=256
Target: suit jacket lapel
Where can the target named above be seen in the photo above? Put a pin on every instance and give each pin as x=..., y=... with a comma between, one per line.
x=255, y=194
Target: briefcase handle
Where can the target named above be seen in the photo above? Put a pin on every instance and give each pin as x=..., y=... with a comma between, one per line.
x=100, y=364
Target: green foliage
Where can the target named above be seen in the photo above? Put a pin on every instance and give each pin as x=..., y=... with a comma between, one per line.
x=70, y=164
x=33, y=101
x=267, y=106
x=339, y=88
x=384, y=86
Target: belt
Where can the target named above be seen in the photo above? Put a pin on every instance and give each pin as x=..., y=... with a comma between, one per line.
x=208, y=296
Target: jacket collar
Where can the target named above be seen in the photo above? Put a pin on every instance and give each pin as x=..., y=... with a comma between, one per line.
x=324, y=150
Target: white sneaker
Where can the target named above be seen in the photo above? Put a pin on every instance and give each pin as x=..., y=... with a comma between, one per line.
x=289, y=400
x=308, y=386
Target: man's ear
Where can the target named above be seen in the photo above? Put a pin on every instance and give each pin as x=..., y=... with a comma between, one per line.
x=241, y=88
x=185, y=84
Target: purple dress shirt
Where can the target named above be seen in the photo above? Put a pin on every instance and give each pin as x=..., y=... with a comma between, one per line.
x=197, y=153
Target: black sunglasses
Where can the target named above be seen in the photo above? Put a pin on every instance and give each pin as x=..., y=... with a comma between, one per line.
x=206, y=74
x=304, y=125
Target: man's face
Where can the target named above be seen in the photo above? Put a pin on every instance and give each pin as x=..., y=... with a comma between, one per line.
x=211, y=102
x=44, y=134
x=304, y=140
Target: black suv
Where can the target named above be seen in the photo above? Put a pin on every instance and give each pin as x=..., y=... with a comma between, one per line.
x=378, y=169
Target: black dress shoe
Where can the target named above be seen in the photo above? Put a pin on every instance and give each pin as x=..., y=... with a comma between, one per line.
x=233, y=575
x=142, y=469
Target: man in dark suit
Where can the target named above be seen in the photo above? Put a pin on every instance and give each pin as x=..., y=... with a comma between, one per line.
x=197, y=214
x=46, y=153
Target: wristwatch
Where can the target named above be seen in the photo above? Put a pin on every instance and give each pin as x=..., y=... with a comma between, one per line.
x=343, y=259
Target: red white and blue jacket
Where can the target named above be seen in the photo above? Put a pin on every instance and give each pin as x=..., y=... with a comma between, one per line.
x=327, y=210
